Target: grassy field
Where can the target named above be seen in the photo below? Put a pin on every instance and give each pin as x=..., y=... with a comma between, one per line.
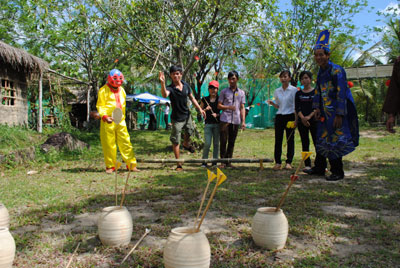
x=349, y=223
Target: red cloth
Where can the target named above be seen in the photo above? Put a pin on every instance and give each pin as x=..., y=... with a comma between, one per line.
x=117, y=98
x=392, y=100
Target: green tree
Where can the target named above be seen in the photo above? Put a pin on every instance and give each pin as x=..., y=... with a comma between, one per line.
x=371, y=92
x=194, y=34
x=73, y=37
x=289, y=36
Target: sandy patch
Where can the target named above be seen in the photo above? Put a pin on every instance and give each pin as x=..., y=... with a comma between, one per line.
x=362, y=214
x=371, y=134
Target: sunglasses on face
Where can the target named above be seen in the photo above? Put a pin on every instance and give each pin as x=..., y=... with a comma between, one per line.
x=211, y=87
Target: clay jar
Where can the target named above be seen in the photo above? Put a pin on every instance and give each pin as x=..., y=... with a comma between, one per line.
x=7, y=248
x=186, y=248
x=115, y=226
x=4, y=217
x=270, y=229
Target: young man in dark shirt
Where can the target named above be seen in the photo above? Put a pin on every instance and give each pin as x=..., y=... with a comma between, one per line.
x=179, y=92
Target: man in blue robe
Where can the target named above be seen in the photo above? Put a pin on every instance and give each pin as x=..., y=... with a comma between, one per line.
x=337, y=133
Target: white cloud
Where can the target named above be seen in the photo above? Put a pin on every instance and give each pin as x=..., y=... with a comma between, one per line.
x=392, y=9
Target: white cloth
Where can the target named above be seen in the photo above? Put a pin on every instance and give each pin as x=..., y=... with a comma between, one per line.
x=166, y=109
x=285, y=99
x=153, y=109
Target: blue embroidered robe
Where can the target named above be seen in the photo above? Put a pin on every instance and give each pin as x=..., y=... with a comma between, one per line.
x=333, y=97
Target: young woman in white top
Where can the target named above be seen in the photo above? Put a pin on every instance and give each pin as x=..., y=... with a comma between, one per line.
x=284, y=102
x=166, y=113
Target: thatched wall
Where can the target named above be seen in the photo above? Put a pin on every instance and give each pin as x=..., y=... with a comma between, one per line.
x=16, y=68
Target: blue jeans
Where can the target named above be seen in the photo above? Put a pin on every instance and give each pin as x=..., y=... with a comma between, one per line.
x=211, y=132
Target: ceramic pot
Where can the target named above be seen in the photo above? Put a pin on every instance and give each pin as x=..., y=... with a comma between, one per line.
x=186, y=248
x=270, y=229
x=115, y=226
x=7, y=248
x=4, y=217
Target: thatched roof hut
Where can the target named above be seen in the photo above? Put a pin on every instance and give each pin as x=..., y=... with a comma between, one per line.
x=17, y=67
x=19, y=60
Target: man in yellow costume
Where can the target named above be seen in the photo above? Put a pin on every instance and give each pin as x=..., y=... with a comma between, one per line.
x=110, y=97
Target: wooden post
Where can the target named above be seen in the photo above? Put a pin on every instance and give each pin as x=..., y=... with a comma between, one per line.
x=39, y=126
x=88, y=104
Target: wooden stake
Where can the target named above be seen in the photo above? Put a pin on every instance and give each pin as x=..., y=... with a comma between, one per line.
x=290, y=185
x=201, y=204
x=208, y=206
x=261, y=165
x=70, y=260
x=126, y=184
x=116, y=183
x=134, y=247
x=287, y=140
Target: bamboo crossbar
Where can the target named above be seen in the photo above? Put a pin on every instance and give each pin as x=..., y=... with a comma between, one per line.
x=222, y=160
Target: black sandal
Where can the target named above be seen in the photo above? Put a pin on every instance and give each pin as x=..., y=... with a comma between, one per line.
x=190, y=148
x=179, y=168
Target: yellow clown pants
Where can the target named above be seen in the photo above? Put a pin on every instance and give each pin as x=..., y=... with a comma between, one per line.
x=113, y=135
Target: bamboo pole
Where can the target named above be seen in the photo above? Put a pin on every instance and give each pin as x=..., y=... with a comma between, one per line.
x=201, y=204
x=68, y=77
x=116, y=183
x=125, y=186
x=290, y=185
x=287, y=140
x=208, y=206
x=221, y=160
x=40, y=115
x=70, y=260
x=88, y=103
x=137, y=243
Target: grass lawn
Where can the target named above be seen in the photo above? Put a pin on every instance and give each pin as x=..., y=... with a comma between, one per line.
x=350, y=223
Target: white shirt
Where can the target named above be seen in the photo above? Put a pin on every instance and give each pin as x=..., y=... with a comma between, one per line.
x=166, y=109
x=153, y=109
x=285, y=99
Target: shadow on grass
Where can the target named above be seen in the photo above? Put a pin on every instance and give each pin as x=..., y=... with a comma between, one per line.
x=143, y=146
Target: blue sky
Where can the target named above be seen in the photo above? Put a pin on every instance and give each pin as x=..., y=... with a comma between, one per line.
x=367, y=17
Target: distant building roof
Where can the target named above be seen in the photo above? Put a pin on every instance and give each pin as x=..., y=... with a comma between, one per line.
x=375, y=71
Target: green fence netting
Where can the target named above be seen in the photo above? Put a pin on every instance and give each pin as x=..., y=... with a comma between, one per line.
x=260, y=115
x=50, y=115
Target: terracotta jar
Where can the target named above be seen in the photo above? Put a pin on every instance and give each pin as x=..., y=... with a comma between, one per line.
x=270, y=229
x=4, y=217
x=186, y=248
x=7, y=248
x=115, y=226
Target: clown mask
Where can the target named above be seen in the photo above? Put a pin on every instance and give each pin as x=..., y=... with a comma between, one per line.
x=115, y=78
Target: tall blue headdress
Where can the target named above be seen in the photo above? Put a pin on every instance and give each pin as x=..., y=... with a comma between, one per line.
x=323, y=41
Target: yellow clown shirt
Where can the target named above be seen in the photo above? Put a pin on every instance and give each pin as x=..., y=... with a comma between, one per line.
x=113, y=135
